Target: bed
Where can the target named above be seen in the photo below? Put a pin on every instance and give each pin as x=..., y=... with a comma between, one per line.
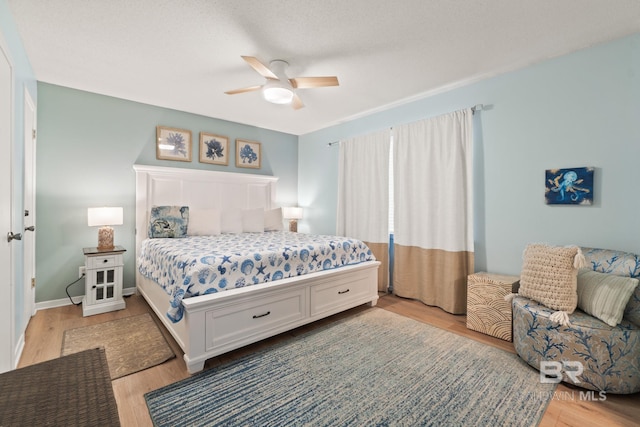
x=218, y=319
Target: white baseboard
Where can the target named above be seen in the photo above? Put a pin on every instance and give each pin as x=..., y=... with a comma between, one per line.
x=17, y=354
x=76, y=300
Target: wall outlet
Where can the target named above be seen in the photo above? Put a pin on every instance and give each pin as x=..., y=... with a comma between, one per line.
x=81, y=271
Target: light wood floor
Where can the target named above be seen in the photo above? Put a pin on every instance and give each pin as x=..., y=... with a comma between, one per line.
x=44, y=341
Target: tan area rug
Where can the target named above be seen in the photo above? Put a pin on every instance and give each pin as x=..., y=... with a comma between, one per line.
x=131, y=343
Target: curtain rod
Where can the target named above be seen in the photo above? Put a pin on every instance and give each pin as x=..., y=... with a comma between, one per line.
x=474, y=109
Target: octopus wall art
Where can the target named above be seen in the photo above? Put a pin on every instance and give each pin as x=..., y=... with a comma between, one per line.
x=573, y=186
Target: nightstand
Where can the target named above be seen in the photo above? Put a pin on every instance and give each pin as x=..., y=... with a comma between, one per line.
x=487, y=311
x=103, y=280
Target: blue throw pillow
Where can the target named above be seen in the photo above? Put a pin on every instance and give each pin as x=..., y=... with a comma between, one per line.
x=168, y=221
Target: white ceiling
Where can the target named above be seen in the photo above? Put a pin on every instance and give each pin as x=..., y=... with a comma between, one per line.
x=183, y=54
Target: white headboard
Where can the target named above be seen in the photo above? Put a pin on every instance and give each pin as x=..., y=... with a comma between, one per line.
x=156, y=185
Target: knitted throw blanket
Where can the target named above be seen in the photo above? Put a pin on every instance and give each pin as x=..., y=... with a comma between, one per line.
x=549, y=276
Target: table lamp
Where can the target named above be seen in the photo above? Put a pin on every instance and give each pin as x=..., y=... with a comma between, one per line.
x=104, y=218
x=293, y=214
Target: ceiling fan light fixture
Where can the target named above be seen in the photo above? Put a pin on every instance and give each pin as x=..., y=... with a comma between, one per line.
x=277, y=93
x=280, y=89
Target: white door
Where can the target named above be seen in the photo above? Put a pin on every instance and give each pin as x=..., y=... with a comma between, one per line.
x=6, y=273
x=29, y=239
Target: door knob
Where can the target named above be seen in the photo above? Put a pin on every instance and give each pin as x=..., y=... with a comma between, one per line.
x=30, y=228
x=11, y=236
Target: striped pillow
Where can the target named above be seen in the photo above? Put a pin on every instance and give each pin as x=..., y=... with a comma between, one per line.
x=604, y=295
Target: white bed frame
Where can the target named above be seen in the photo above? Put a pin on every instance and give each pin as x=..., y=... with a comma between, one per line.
x=217, y=323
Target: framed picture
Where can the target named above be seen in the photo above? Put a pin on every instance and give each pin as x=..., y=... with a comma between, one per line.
x=572, y=186
x=248, y=154
x=173, y=144
x=214, y=149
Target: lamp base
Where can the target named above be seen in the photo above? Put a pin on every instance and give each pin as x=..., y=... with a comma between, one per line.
x=105, y=237
x=293, y=225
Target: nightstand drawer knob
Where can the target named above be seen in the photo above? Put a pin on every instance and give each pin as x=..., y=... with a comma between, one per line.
x=105, y=260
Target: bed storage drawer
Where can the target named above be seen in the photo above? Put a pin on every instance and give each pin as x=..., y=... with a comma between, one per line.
x=259, y=317
x=338, y=293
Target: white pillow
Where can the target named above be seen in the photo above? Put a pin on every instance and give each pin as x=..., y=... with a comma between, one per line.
x=253, y=220
x=549, y=276
x=204, y=222
x=273, y=220
x=231, y=221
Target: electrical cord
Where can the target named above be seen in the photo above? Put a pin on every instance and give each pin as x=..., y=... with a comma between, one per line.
x=73, y=283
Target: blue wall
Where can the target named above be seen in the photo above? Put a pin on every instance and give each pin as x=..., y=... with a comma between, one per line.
x=87, y=147
x=577, y=110
x=24, y=79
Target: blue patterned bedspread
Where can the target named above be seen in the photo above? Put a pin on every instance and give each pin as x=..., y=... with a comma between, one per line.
x=202, y=265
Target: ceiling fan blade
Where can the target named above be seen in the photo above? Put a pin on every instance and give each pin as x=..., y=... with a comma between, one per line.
x=311, y=82
x=296, y=102
x=243, y=90
x=262, y=69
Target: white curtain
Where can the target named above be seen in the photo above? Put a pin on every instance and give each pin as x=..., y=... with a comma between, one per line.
x=433, y=226
x=363, y=195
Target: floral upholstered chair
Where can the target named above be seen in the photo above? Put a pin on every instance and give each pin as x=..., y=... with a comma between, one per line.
x=609, y=353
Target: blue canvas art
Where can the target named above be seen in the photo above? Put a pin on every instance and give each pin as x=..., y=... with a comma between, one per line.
x=571, y=186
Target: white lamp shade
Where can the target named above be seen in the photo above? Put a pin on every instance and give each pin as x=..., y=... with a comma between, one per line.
x=97, y=217
x=292, y=212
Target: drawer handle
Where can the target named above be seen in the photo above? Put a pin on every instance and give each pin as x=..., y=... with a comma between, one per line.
x=343, y=292
x=105, y=260
x=257, y=316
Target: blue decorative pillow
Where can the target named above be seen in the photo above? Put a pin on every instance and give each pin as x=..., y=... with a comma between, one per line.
x=168, y=221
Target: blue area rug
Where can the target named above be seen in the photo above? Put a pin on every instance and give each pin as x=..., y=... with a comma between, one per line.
x=375, y=368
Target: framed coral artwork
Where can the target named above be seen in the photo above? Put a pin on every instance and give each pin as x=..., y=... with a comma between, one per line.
x=173, y=144
x=214, y=149
x=570, y=186
x=248, y=154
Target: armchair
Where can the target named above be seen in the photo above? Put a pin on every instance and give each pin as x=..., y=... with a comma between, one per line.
x=610, y=355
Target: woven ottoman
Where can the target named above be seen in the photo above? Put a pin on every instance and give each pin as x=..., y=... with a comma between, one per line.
x=487, y=311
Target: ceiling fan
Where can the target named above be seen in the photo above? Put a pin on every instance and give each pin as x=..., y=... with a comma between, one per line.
x=279, y=89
